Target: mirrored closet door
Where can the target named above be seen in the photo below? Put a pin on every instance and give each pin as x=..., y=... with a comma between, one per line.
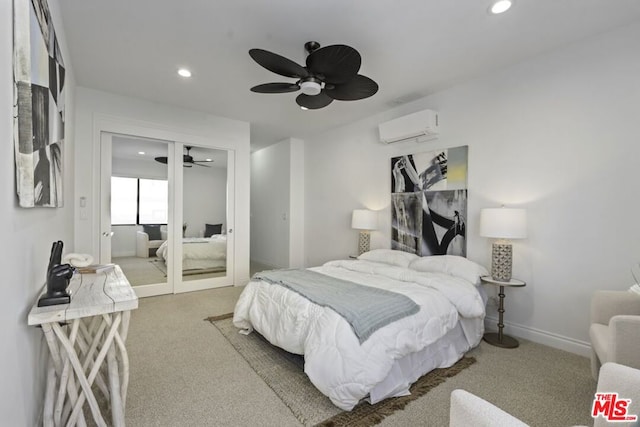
x=165, y=209
x=206, y=235
x=137, y=214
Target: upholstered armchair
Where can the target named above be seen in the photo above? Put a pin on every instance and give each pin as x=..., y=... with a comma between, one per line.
x=470, y=410
x=149, y=239
x=467, y=410
x=615, y=329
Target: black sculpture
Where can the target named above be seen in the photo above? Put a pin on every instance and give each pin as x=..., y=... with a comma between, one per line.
x=58, y=276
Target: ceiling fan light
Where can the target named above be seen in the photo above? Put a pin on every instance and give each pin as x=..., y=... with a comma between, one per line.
x=310, y=88
x=500, y=6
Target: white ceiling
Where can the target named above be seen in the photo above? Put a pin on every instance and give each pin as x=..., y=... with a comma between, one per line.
x=411, y=48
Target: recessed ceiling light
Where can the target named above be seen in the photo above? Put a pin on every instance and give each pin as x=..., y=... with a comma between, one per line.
x=142, y=153
x=208, y=160
x=183, y=72
x=500, y=6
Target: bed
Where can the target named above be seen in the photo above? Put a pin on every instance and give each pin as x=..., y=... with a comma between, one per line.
x=200, y=253
x=340, y=363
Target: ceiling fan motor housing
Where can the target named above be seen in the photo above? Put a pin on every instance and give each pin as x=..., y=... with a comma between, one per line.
x=310, y=86
x=311, y=46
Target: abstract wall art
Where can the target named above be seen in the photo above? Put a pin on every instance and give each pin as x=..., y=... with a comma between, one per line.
x=429, y=202
x=39, y=106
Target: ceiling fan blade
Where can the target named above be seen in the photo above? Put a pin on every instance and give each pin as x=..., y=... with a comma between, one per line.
x=359, y=87
x=275, y=88
x=278, y=64
x=198, y=164
x=185, y=162
x=335, y=64
x=314, y=102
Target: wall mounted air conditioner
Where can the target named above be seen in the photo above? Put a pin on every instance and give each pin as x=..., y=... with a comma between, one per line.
x=422, y=125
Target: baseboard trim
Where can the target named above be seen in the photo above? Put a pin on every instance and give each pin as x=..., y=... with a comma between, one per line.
x=539, y=336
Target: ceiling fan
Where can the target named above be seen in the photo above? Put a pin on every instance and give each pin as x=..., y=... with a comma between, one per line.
x=331, y=72
x=187, y=160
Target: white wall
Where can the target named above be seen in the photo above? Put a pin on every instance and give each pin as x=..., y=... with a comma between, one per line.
x=270, y=189
x=277, y=204
x=27, y=235
x=123, y=241
x=205, y=195
x=296, y=204
x=96, y=109
x=556, y=135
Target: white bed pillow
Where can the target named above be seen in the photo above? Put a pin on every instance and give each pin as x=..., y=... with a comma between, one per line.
x=452, y=265
x=389, y=256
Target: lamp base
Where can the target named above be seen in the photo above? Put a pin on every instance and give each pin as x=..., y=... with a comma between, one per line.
x=504, y=341
x=501, y=259
x=364, y=242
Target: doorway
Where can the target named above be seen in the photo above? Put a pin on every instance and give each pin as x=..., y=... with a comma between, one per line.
x=159, y=201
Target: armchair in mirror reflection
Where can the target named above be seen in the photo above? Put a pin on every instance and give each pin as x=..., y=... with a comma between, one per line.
x=58, y=276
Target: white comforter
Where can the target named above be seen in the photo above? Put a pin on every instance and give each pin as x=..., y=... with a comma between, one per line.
x=199, y=248
x=337, y=364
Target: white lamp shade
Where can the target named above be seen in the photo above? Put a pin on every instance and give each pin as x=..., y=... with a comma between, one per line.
x=503, y=223
x=364, y=219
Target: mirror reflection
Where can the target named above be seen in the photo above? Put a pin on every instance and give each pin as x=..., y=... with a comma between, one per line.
x=204, y=237
x=139, y=209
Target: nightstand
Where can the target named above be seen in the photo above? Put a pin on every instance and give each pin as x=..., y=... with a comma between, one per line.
x=499, y=339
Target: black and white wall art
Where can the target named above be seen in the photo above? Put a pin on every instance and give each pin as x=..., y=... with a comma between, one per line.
x=429, y=202
x=39, y=106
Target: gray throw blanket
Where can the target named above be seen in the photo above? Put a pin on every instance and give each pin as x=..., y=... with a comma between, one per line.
x=365, y=308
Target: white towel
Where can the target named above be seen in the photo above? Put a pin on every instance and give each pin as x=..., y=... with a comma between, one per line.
x=78, y=260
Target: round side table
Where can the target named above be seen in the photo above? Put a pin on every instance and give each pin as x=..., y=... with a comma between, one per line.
x=498, y=338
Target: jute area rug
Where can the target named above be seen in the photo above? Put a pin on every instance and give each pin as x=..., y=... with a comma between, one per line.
x=284, y=373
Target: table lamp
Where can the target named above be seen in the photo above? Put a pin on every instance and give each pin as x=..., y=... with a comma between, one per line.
x=502, y=224
x=365, y=221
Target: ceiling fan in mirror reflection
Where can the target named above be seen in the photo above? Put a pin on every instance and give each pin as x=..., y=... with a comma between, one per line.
x=187, y=160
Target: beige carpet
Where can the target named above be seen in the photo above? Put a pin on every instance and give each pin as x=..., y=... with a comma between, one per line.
x=185, y=373
x=162, y=266
x=284, y=374
x=182, y=374
x=147, y=271
x=140, y=271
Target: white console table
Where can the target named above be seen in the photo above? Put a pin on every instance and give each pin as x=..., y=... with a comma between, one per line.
x=86, y=346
